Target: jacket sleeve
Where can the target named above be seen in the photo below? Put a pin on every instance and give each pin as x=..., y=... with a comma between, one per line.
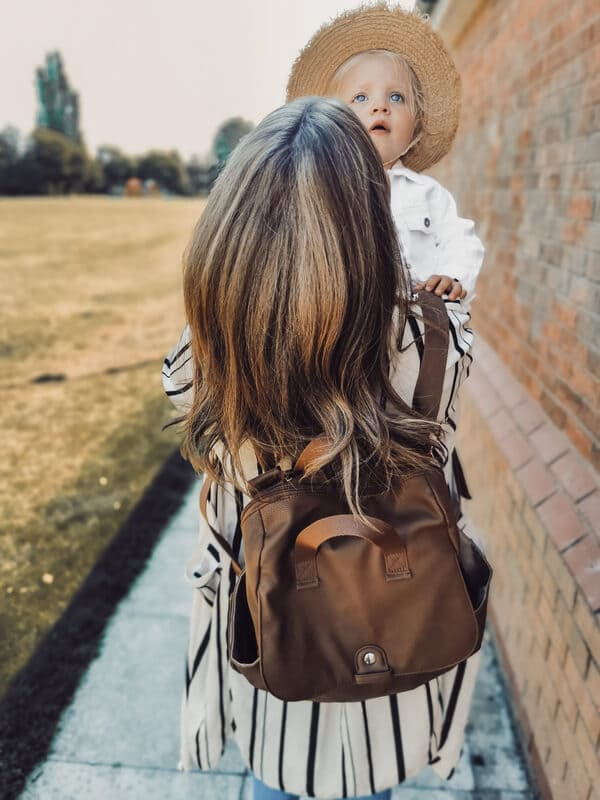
x=461, y=251
x=178, y=373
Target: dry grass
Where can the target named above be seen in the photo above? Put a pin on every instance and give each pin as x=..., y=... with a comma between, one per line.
x=91, y=292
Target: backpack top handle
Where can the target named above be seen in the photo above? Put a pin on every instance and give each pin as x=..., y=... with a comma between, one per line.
x=309, y=540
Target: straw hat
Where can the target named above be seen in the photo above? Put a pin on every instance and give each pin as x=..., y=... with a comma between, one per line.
x=385, y=27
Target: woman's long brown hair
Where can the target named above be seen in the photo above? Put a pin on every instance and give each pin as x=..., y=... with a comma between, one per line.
x=292, y=279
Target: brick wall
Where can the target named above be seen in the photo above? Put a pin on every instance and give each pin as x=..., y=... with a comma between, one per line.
x=526, y=167
x=536, y=503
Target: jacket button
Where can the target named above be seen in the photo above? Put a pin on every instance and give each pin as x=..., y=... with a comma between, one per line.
x=427, y=222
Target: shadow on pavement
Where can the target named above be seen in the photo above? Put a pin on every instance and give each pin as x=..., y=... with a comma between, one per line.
x=31, y=708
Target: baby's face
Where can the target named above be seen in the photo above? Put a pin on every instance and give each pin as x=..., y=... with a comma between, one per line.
x=377, y=90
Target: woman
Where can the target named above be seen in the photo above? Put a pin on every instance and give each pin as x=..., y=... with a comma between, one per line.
x=301, y=322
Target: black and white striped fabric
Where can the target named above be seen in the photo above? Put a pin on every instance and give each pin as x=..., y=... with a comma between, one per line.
x=326, y=750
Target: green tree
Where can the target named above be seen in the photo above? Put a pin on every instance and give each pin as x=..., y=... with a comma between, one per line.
x=227, y=137
x=166, y=168
x=77, y=168
x=94, y=181
x=202, y=173
x=46, y=162
x=10, y=153
x=58, y=103
x=52, y=164
x=115, y=165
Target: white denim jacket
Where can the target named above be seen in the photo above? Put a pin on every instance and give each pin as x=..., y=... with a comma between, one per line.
x=435, y=240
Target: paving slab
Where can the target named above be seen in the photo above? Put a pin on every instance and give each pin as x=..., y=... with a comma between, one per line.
x=75, y=781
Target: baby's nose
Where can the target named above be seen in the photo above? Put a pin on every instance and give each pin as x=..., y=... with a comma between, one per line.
x=380, y=107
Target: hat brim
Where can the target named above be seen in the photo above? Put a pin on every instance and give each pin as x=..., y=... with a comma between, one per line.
x=383, y=27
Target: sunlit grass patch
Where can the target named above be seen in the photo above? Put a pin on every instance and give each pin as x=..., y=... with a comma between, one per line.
x=91, y=304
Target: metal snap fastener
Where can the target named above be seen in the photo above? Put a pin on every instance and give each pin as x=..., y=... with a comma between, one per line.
x=369, y=658
x=427, y=222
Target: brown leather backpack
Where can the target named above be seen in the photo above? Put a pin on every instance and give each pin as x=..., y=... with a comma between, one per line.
x=329, y=609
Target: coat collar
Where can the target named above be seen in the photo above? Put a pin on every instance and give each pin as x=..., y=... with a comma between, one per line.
x=400, y=169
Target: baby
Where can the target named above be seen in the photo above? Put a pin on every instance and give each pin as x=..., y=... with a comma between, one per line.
x=408, y=124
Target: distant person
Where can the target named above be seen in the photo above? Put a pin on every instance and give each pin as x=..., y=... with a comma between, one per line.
x=301, y=320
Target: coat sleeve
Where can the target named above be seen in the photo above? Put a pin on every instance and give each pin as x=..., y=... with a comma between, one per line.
x=461, y=250
x=178, y=373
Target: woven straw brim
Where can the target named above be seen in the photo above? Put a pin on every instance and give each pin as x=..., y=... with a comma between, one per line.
x=385, y=27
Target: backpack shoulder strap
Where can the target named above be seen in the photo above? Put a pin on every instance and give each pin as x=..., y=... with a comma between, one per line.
x=430, y=382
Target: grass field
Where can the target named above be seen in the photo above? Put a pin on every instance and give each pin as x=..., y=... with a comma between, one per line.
x=91, y=303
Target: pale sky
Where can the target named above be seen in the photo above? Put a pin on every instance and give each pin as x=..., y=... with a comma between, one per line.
x=157, y=73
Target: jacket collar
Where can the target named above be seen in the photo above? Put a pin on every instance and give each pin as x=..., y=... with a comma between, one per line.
x=400, y=169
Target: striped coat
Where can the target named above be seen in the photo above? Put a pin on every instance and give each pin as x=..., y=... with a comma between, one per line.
x=326, y=750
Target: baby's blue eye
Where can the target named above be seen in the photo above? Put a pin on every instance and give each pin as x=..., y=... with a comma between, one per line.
x=359, y=98
x=396, y=97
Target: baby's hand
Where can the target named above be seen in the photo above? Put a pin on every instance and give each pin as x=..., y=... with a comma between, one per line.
x=442, y=284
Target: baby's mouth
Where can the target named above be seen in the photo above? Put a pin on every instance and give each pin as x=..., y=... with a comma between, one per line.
x=379, y=127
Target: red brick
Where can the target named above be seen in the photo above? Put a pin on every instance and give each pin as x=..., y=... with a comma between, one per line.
x=590, y=506
x=595, y=456
x=551, y=407
x=590, y=419
x=576, y=766
x=586, y=748
x=557, y=567
x=571, y=232
x=592, y=361
x=589, y=625
x=583, y=560
x=512, y=392
x=537, y=481
x=552, y=331
x=516, y=448
x=575, y=475
x=581, y=205
x=579, y=650
x=551, y=628
x=501, y=423
x=593, y=682
x=549, y=442
x=561, y=520
x=566, y=314
x=534, y=525
x=592, y=92
x=584, y=292
x=580, y=438
x=529, y=415
x=484, y=394
x=592, y=61
x=585, y=704
x=576, y=781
